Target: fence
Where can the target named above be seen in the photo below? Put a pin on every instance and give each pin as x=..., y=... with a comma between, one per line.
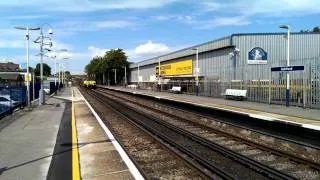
x=261, y=84
x=11, y=98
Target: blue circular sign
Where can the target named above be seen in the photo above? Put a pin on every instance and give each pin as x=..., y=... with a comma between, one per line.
x=258, y=54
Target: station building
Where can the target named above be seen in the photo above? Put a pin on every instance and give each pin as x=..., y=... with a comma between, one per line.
x=240, y=61
x=11, y=75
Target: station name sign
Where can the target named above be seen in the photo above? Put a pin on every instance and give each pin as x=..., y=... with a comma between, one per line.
x=287, y=68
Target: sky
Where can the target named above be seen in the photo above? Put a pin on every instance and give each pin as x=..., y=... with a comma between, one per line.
x=142, y=28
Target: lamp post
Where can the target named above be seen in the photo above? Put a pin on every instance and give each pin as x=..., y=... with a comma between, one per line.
x=63, y=72
x=55, y=72
x=138, y=74
x=27, y=29
x=288, y=62
x=55, y=66
x=234, y=55
x=33, y=90
x=115, y=77
x=40, y=40
x=197, y=70
x=159, y=74
x=125, y=75
x=59, y=67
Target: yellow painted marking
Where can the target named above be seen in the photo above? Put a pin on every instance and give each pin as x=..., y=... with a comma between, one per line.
x=75, y=154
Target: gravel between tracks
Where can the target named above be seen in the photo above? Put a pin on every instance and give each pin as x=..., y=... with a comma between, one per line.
x=154, y=160
x=297, y=170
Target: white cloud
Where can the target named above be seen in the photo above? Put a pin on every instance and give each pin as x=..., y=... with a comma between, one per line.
x=140, y=52
x=84, y=5
x=16, y=59
x=216, y=22
x=57, y=45
x=151, y=48
x=95, y=51
x=264, y=7
x=26, y=17
x=113, y=24
x=184, y=18
x=223, y=21
x=60, y=55
x=69, y=27
x=12, y=44
x=161, y=18
x=21, y=44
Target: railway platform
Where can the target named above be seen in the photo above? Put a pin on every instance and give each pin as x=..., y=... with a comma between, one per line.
x=63, y=139
x=29, y=140
x=100, y=155
x=306, y=118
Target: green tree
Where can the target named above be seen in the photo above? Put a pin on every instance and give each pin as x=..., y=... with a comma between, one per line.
x=46, y=70
x=102, y=69
x=115, y=60
x=315, y=29
x=67, y=73
x=31, y=69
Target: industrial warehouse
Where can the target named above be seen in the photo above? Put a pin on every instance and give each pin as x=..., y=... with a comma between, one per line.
x=240, y=61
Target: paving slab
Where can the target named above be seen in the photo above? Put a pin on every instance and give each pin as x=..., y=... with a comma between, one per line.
x=98, y=158
x=27, y=143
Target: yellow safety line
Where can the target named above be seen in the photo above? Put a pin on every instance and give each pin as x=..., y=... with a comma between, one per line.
x=75, y=154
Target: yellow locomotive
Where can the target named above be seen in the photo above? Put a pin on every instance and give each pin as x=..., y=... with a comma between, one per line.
x=89, y=84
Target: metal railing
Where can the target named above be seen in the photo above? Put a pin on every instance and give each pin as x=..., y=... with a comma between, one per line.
x=11, y=98
x=261, y=85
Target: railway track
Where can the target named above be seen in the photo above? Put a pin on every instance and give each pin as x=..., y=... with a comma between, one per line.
x=210, y=155
x=267, y=159
x=154, y=158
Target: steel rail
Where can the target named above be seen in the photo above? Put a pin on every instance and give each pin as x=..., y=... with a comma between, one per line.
x=256, y=166
x=206, y=173
x=257, y=145
x=225, y=122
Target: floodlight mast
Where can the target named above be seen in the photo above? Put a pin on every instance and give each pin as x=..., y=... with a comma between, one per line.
x=197, y=70
x=40, y=40
x=27, y=29
x=287, y=27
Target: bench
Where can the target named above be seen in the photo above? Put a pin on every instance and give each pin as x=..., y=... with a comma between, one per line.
x=175, y=89
x=132, y=86
x=237, y=94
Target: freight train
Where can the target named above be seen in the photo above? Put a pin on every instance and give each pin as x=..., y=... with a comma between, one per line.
x=89, y=84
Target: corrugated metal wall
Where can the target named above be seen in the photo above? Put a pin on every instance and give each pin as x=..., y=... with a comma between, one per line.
x=218, y=63
x=144, y=71
x=302, y=46
x=218, y=71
